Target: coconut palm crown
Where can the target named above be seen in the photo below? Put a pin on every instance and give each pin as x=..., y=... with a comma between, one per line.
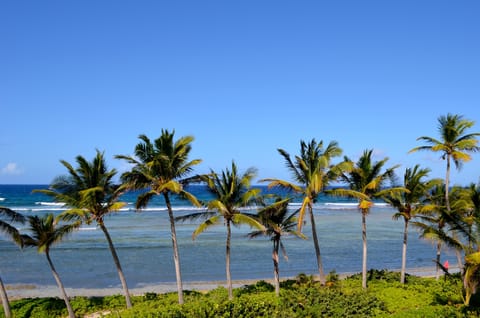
x=454, y=143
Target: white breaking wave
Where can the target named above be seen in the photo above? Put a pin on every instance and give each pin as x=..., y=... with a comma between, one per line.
x=342, y=203
x=50, y=203
x=89, y=228
x=2, y=199
x=175, y=208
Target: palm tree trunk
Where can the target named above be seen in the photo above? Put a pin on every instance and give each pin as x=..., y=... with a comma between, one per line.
x=227, y=261
x=447, y=184
x=404, y=253
x=116, y=260
x=176, y=256
x=71, y=314
x=5, y=302
x=276, y=272
x=364, y=239
x=458, y=254
x=317, y=246
x=447, y=202
x=437, y=269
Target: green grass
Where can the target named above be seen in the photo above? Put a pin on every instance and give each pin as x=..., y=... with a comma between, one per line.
x=300, y=297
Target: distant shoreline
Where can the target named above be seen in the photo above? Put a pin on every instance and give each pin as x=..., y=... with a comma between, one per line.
x=21, y=291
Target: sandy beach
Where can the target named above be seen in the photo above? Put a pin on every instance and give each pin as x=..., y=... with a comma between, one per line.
x=32, y=291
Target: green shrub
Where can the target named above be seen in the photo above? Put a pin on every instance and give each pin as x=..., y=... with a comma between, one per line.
x=258, y=287
x=332, y=277
x=39, y=307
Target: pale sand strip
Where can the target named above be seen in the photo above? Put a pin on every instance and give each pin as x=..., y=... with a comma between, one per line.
x=33, y=291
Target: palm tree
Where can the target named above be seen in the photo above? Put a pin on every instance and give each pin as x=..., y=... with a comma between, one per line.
x=161, y=168
x=278, y=223
x=89, y=193
x=454, y=144
x=44, y=233
x=469, y=203
x=313, y=171
x=231, y=192
x=367, y=182
x=409, y=203
x=471, y=279
x=7, y=217
x=437, y=223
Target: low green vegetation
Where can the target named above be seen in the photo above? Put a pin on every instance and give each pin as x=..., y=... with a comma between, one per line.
x=299, y=297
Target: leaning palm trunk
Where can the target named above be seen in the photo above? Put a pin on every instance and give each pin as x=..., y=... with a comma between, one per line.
x=71, y=314
x=116, y=260
x=5, y=302
x=227, y=261
x=176, y=256
x=317, y=247
x=276, y=272
x=437, y=268
x=404, y=253
x=364, y=239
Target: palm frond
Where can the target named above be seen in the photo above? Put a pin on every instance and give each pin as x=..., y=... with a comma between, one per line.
x=75, y=214
x=214, y=220
x=241, y=218
x=301, y=213
x=284, y=250
x=343, y=192
x=473, y=258
x=195, y=216
x=11, y=215
x=282, y=184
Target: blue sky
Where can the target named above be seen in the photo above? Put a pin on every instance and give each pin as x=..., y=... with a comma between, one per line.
x=243, y=77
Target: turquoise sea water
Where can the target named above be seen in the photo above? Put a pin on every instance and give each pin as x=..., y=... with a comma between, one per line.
x=143, y=243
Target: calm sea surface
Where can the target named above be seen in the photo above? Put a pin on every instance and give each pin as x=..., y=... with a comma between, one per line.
x=143, y=243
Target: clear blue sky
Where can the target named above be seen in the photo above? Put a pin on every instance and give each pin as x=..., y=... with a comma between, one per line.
x=243, y=77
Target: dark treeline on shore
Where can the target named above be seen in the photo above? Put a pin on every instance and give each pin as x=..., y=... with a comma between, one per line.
x=448, y=215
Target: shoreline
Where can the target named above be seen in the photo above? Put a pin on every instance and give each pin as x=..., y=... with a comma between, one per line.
x=21, y=291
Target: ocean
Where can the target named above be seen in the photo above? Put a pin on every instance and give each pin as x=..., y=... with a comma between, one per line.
x=143, y=242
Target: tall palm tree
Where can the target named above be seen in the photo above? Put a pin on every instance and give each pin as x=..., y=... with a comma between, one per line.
x=312, y=171
x=89, y=194
x=278, y=223
x=454, y=144
x=7, y=218
x=409, y=203
x=437, y=223
x=44, y=233
x=161, y=167
x=231, y=192
x=366, y=182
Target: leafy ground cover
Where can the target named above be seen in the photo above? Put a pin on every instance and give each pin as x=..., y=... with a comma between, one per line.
x=300, y=297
